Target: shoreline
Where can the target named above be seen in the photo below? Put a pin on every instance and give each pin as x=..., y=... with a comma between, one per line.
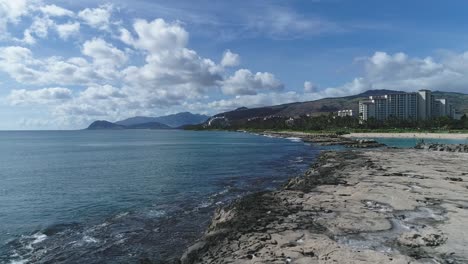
x=408, y=135
x=326, y=139
x=353, y=206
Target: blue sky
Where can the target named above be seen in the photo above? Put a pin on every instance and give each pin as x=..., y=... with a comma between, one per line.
x=64, y=64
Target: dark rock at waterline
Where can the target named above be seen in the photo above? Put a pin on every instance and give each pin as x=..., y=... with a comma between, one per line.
x=260, y=215
x=330, y=140
x=365, y=143
x=443, y=147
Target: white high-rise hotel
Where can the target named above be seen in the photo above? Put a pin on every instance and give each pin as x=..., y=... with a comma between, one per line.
x=419, y=105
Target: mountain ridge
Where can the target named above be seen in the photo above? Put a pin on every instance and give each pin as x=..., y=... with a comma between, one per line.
x=328, y=105
x=174, y=120
x=106, y=125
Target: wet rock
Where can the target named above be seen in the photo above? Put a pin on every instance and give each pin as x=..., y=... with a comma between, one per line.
x=329, y=139
x=375, y=206
x=428, y=238
x=454, y=179
x=443, y=147
x=313, y=219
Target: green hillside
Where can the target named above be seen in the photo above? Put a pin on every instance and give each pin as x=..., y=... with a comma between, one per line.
x=326, y=106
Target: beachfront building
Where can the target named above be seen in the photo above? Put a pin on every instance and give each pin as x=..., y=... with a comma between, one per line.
x=290, y=122
x=344, y=113
x=420, y=105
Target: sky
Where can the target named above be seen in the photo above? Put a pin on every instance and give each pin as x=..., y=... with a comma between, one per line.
x=66, y=63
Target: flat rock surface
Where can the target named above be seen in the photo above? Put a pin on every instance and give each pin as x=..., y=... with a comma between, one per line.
x=362, y=206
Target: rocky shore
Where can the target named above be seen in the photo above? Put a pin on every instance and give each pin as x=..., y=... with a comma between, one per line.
x=355, y=206
x=443, y=147
x=409, y=135
x=327, y=139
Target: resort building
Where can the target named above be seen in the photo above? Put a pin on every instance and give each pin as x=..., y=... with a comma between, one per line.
x=343, y=113
x=419, y=105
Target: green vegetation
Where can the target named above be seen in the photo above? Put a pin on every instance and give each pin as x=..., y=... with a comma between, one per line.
x=343, y=125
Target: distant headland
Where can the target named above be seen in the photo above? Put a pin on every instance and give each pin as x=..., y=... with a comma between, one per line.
x=143, y=122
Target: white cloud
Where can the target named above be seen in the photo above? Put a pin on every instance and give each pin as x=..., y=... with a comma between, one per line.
x=41, y=96
x=11, y=11
x=103, y=53
x=230, y=59
x=171, y=77
x=107, y=86
x=40, y=26
x=356, y=86
x=102, y=93
x=244, y=82
x=156, y=36
x=21, y=65
x=401, y=72
x=97, y=17
x=172, y=72
x=309, y=87
x=55, y=11
x=283, y=23
x=95, y=102
x=28, y=38
x=67, y=30
x=257, y=100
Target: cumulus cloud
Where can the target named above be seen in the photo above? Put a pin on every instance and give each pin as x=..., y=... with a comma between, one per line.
x=156, y=36
x=382, y=70
x=356, y=86
x=28, y=37
x=104, y=53
x=41, y=96
x=244, y=82
x=230, y=59
x=11, y=11
x=106, y=84
x=401, y=72
x=309, y=87
x=97, y=17
x=101, y=93
x=172, y=73
x=95, y=102
x=42, y=25
x=55, y=11
x=22, y=66
x=68, y=29
x=255, y=100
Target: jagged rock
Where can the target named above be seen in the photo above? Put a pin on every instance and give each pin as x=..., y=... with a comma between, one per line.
x=443, y=147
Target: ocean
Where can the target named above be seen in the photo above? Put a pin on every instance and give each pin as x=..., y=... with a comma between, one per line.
x=128, y=196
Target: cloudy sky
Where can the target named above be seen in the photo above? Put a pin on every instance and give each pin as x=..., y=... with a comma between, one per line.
x=66, y=63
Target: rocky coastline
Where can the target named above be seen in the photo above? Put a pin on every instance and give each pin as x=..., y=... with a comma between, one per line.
x=443, y=147
x=327, y=139
x=353, y=206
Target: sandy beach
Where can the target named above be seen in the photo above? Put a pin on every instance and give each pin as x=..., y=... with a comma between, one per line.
x=356, y=206
x=408, y=135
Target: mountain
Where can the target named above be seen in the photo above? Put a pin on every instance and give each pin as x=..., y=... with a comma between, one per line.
x=176, y=120
x=328, y=105
x=458, y=100
x=102, y=124
x=106, y=125
x=136, y=120
x=150, y=125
